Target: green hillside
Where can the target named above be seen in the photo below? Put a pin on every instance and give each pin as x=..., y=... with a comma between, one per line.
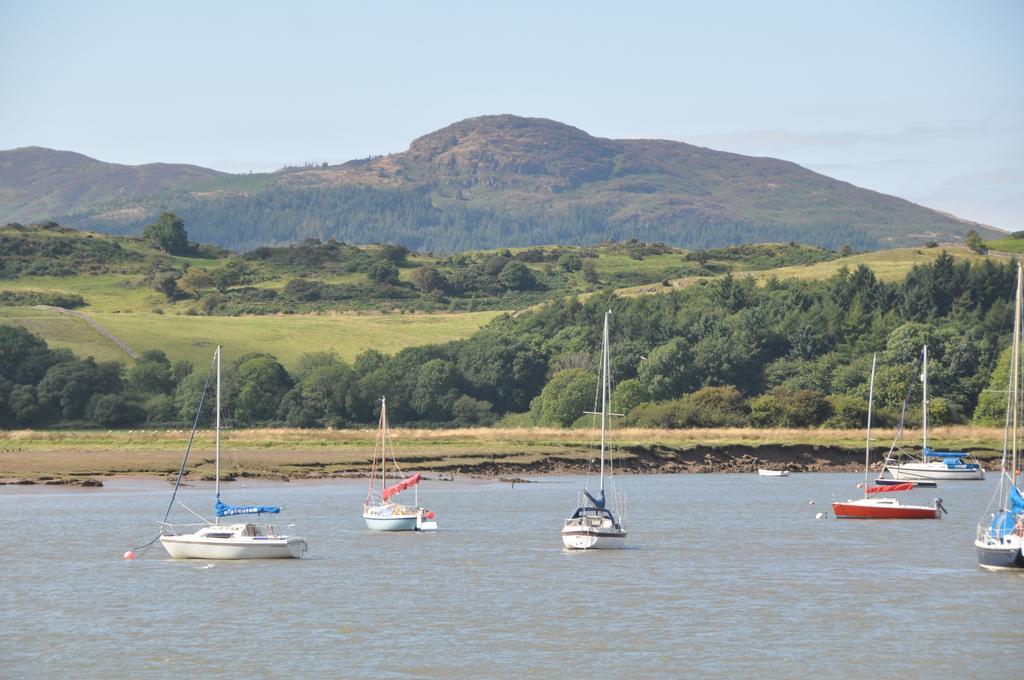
x=488, y=182
x=268, y=307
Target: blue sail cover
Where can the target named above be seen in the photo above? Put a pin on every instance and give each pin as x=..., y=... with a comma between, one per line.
x=945, y=454
x=599, y=504
x=223, y=509
x=1005, y=522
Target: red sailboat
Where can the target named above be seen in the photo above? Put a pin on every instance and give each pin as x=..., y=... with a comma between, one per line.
x=882, y=508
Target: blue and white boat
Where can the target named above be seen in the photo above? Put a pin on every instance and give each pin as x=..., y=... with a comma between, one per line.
x=933, y=465
x=217, y=541
x=380, y=512
x=593, y=526
x=999, y=541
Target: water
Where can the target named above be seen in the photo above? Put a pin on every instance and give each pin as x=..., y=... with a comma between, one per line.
x=727, y=574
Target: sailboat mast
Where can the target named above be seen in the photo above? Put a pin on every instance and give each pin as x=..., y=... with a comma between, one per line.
x=217, y=433
x=1015, y=369
x=604, y=391
x=383, y=444
x=867, y=443
x=924, y=406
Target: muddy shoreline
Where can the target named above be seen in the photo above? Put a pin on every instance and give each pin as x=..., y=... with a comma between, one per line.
x=647, y=459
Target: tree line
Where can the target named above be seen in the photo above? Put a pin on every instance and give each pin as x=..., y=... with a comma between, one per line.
x=721, y=353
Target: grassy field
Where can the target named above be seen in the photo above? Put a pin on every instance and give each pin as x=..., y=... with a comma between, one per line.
x=286, y=337
x=297, y=453
x=1007, y=245
x=888, y=265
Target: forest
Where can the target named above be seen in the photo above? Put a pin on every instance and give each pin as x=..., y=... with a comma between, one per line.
x=411, y=218
x=722, y=352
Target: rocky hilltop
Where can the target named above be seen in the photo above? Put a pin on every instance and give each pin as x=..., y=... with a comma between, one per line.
x=484, y=182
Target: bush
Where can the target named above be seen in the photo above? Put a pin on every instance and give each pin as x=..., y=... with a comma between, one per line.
x=783, y=407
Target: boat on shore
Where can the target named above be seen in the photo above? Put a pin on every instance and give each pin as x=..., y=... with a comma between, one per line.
x=216, y=541
x=870, y=507
x=999, y=539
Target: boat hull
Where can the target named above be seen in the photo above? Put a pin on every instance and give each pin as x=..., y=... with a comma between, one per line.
x=872, y=510
x=189, y=547
x=581, y=539
x=911, y=472
x=772, y=473
x=998, y=558
x=399, y=523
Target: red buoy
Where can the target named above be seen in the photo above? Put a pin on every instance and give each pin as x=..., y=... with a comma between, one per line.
x=130, y=555
x=430, y=514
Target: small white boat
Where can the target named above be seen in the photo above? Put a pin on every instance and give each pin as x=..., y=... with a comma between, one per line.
x=216, y=541
x=593, y=526
x=381, y=513
x=233, y=542
x=772, y=473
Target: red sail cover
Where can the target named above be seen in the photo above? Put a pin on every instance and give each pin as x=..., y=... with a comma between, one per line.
x=401, y=486
x=895, y=487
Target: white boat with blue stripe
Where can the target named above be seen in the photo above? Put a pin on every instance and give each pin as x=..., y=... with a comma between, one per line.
x=216, y=541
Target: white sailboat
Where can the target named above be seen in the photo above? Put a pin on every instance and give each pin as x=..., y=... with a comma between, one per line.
x=216, y=541
x=380, y=512
x=999, y=541
x=593, y=525
x=933, y=465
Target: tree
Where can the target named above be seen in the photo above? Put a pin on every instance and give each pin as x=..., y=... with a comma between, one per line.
x=151, y=374
x=262, y=382
x=113, y=410
x=516, y=276
x=235, y=273
x=783, y=407
x=24, y=356
x=436, y=390
x=168, y=234
x=69, y=386
x=503, y=367
x=167, y=283
x=194, y=280
x=395, y=254
x=382, y=271
x=627, y=395
x=428, y=279
x=975, y=243
x=570, y=262
x=469, y=411
x=566, y=396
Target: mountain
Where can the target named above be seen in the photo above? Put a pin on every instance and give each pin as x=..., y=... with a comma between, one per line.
x=488, y=182
x=38, y=183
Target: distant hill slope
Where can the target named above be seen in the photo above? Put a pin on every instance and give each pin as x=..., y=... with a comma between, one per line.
x=38, y=183
x=510, y=181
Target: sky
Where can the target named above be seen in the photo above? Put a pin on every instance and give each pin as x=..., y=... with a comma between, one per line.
x=923, y=100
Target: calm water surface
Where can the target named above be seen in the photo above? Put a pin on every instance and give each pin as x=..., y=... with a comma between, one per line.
x=726, y=575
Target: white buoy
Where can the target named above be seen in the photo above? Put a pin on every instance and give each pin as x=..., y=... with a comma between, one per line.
x=860, y=485
x=811, y=502
x=819, y=515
